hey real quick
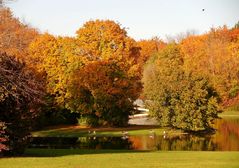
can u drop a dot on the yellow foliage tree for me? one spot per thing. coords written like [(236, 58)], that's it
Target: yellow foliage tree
[(57, 58), (106, 40)]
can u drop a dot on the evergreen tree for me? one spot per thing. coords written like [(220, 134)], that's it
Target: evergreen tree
[(178, 98)]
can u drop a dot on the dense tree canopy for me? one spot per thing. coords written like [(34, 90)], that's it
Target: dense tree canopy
[(65, 61), (176, 97), (56, 58), (101, 39), (115, 58), (215, 55), (106, 93)]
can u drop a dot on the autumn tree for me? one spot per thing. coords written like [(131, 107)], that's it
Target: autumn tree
[(56, 58), (106, 93), (176, 97), (107, 42), (101, 39), (104, 40), (64, 61), (14, 35), (20, 95), (215, 55), (148, 48)]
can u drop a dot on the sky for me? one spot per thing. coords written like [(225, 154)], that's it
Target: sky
[(143, 19)]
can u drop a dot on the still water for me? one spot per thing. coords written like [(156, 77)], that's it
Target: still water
[(226, 138)]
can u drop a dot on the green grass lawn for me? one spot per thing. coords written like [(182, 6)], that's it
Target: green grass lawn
[(67, 158), (77, 131)]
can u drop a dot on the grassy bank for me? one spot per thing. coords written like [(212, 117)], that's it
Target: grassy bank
[(110, 158), (77, 131)]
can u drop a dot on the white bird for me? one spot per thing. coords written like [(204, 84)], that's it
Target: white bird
[(124, 137)]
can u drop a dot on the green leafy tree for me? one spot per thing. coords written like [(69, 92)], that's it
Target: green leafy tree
[(178, 98)]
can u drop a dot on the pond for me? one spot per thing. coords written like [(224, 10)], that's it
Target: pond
[(226, 138)]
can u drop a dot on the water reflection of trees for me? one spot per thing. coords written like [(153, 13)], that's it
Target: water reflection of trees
[(52, 142), (81, 142), (105, 143), (183, 142), (226, 138), (227, 135), (186, 142)]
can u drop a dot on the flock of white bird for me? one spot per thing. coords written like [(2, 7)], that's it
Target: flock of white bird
[(152, 134)]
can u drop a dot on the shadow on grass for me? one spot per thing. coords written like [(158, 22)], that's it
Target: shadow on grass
[(65, 152)]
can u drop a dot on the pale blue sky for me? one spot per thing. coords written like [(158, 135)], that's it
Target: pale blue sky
[(143, 18)]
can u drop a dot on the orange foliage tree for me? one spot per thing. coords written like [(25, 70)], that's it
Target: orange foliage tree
[(148, 48), (106, 93), (14, 35), (104, 43), (215, 55), (63, 61)]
